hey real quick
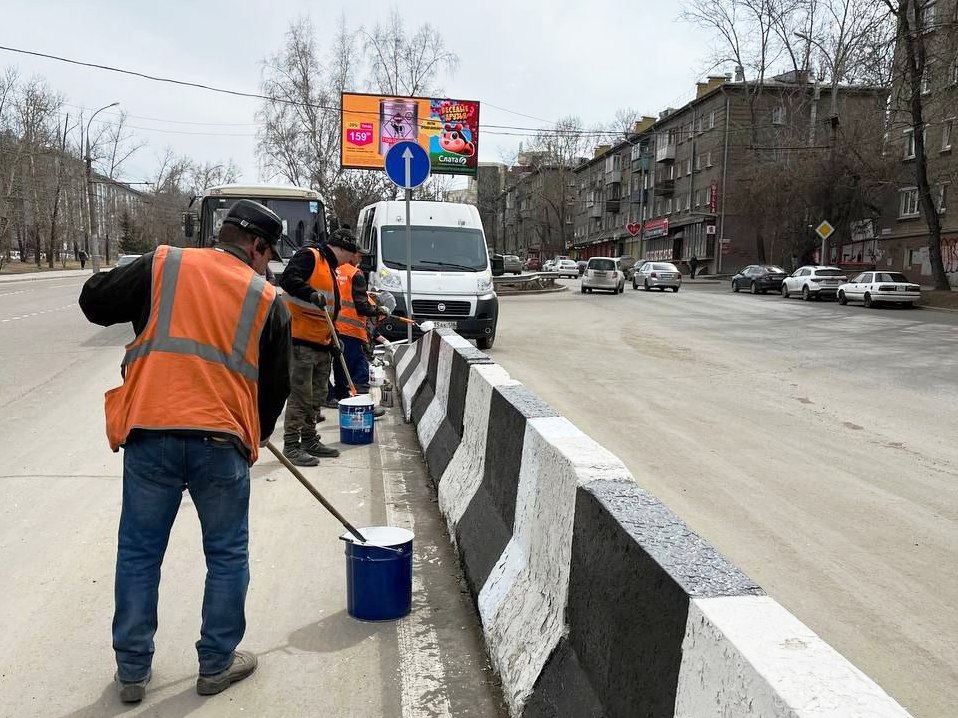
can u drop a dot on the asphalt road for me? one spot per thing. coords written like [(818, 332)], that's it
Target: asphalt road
[(59, 507), (811, 443)]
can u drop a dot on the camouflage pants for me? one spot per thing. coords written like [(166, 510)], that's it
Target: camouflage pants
[(309, 380)]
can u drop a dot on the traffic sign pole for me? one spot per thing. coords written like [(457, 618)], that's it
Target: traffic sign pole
[(407, 166)]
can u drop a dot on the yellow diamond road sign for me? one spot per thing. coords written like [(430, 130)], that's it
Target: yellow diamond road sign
[(825, 230)]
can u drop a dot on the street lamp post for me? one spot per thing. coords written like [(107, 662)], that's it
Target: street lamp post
[(91, 204)]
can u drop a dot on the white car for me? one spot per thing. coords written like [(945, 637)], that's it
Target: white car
[(567, 268), (549, 266), (602, 273), (813, 282), (873, 288)]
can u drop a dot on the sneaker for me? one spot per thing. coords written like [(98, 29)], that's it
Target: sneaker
[(315, 447), (133, 691), (244, 663), (378, 412), (298, 456)]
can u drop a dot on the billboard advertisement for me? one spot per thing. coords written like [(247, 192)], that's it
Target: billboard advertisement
[(447, 129)]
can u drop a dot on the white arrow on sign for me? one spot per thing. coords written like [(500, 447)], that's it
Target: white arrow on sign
[(407, 156)]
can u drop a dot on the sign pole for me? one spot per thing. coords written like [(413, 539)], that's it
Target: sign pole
[(408, 260)]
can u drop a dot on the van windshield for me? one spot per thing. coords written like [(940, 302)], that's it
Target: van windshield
[(435, 249)]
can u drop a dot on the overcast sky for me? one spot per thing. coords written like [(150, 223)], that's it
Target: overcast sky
[(536, 57)]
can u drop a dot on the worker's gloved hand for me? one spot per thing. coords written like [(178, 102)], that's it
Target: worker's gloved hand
[(382, 311), (318, 299), (334, 350)]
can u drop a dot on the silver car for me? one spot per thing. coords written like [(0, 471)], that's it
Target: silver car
[(511, 264), (603, 273), (661, 275)]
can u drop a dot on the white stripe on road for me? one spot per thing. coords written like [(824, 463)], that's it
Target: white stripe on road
[(422, 676), (37, 314)]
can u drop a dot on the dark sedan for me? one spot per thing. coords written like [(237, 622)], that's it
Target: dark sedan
[(759, 278)]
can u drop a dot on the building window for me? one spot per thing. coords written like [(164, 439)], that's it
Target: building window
[(645, 212), (698, 162), (909, 202), (927, 21), (671, 173), (688, 166), (947, 129), (701, 125), (942, 197), (698, 198), (909, 144), (708, 158), (778, 115), (688, 200), (668, 205), (954, 65), (690, 130)]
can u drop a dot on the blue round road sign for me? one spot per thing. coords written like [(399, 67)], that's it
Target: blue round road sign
[(407, 165)]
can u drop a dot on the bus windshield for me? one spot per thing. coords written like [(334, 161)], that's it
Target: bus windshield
[(435, 249), (303, 220)]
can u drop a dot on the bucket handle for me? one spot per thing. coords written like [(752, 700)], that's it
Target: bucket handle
[(384, 548)]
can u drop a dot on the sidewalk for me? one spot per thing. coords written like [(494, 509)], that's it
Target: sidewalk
[(46, 274)]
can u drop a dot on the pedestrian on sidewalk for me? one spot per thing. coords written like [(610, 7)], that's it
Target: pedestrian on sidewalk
[(351, 322), (693, 265), (309, 281), (81, 255), (204, 382)]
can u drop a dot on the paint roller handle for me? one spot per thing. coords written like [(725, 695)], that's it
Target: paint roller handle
[(312, 489), (339, 350)]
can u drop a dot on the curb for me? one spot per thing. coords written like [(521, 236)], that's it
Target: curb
[(595, 598), (937, 309), (38, 276), (522, 292)]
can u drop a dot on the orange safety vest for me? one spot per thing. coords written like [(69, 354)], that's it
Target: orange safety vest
[(349, 323), (309, 322), (195, 365)]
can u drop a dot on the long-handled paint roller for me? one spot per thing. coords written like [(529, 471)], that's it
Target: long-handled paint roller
[(339, 350), (426, 326)]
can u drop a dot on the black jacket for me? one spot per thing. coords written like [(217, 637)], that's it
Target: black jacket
[(124, 295), (295, 281)]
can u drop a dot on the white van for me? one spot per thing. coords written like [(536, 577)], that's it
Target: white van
[(451, 271)]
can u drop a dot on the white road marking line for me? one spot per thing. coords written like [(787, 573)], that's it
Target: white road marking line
[(36, 314), (422, 676)]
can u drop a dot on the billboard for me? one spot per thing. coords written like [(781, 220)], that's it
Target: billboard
[(447, 129)]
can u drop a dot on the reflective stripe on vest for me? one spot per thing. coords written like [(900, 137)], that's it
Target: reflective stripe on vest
[(162, 341), (349, 323), (308, 321)]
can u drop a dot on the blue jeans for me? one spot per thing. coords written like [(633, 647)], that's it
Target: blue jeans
[(157, 467), (358, 364)]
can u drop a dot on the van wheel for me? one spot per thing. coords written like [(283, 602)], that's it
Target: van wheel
[(486, 342)]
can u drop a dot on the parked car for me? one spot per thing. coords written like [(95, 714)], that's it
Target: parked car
[(533, 265), (813, 282), (511, 264), (759, 278), (567, 268), (602, 273), (660, 275), (625, 264), (549, 266), (125, 259), (873, 288), (630, 272), (582, 264)]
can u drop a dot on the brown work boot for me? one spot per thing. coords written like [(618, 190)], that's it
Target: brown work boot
[(298, 456), (132, 691), (315, 447), (244, 663)]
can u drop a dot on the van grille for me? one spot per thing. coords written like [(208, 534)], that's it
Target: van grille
[(430, 307)]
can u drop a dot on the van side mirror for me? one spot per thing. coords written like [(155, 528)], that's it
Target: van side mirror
[(498, 265), (189, 224), (367, 263)]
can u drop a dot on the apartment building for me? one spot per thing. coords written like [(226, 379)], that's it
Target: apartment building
[(535, 211)]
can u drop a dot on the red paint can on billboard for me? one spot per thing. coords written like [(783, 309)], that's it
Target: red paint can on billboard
[(398, 122)]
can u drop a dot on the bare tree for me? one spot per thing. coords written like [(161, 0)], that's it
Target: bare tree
[(210, 174), (403, 64)]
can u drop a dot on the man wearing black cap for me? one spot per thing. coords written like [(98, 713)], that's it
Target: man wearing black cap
[(204, 382), (309, 281)]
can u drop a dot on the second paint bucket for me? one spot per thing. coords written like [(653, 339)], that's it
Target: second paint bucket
[(379, 574), (356, 419)]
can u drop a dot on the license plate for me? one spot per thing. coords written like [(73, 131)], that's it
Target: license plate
[(445, 325)]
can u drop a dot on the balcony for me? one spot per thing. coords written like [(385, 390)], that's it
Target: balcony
[(641, 164), (664, 187), (637, 195), (595, 211), (665, 154), (613, 177), (612, 205)]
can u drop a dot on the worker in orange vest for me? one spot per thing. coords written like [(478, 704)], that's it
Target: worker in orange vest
[(204, 382), (356, 308), (310, 286)]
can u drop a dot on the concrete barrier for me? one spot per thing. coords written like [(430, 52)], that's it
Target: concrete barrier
[(596, 599)]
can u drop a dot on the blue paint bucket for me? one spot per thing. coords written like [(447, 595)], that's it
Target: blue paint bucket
[(356, 419), (379, 573)]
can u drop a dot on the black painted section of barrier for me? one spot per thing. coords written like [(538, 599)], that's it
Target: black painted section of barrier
[(486, 526), (563, 690), (449, 434), (416, 348), (427, 390), (635, 566)]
